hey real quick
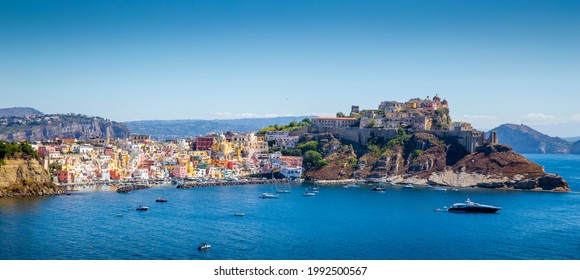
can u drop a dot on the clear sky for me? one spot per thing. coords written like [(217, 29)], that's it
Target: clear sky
[(495, 61)]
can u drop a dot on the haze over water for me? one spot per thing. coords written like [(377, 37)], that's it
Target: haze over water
[(336, 224)]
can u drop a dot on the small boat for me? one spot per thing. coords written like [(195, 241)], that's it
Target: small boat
[(161, 200), (471, 207), (378, 189), (455, 190), (408, 186), (352, 186), (440, 190), (203, 247), (119, 215), (239, 214), (269, 195), (309, 194), (142, 208)]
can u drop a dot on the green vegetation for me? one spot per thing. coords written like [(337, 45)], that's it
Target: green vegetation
[(289, 127), (16, 150), (308, 146), (416, 153), (401, 139), (340, 115), (352, 162), (292, 152), (313, 160), (371, 123)]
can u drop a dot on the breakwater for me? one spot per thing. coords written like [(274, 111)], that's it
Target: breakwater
[(231, 183), (128, 189)]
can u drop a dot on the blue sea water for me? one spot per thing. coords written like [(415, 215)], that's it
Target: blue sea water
[(338, 223)]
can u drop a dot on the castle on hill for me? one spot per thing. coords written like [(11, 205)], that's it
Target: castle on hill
[(430, 115)]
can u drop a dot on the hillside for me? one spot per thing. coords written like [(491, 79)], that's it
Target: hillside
[(21, 174), (524, 139), (49, 127), (174, 129), (575, 148), (19, 112), (423, 158)]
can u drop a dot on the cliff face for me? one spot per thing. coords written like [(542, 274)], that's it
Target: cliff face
[(426, 159), (525, 139), (25, 178), (48, 127)]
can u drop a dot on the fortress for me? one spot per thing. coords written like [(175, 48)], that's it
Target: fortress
[(416, 115)]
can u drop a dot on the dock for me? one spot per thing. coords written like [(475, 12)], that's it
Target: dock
[(194, 185)]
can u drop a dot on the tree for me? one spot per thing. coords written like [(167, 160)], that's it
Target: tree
[(312, 159), (340, 115), (308, 146)]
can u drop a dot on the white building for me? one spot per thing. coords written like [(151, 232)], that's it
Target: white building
[(291, 172), (333, 122), (274, 135)]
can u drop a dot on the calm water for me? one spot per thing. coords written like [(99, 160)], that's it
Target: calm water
[(337, 224)]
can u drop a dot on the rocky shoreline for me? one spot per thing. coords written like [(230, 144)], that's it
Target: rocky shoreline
[(549, 182)]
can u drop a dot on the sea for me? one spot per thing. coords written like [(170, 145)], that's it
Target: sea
[(336, 224)]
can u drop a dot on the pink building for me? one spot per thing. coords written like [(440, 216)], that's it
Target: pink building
[(291, 162), (180, 171), (431, 106), (45, 150), (64, 176)]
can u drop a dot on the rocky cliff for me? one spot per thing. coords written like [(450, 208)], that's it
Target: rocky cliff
[(425, 159), (49, 127), (20, 177), (525, 139)]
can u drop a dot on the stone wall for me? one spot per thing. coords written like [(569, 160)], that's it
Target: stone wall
[(354, 134)]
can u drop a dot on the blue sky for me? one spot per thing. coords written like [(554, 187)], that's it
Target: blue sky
[(495, 61)]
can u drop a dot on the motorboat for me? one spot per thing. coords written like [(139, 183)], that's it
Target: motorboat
[(472, 207), (309, 193), (378, 189), (408, 186), (269, 195), (203, 247), (142, 208), (239, 214), (161, 200), (440, 190), (352, 186)]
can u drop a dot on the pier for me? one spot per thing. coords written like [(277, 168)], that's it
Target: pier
[(231, 183)]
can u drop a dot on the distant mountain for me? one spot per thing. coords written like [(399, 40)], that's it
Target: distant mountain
[(175, 129), (19, 112), (525, 139), (572, 139), (49, 127)]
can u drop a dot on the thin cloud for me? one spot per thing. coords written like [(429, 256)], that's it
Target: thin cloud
[(480, 117), (539, 117), (229, 115)]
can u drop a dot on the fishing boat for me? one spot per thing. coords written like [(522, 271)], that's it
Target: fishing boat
[(378, 189), (309, 193), (203, 247), (269, 195)]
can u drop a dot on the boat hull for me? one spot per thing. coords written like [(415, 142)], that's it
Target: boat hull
[(474, 209)]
